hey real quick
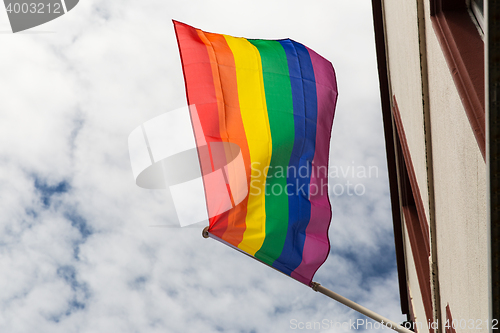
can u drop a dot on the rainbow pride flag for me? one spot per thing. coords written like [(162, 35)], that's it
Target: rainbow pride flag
[(274, 100)]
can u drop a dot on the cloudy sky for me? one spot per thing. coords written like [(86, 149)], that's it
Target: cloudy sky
[(83, 249)]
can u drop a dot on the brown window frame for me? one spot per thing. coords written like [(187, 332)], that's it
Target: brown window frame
[(449, 324), (463, 49), (413, 211)]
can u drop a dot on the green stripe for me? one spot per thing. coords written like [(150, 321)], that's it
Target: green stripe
[(279, 102)]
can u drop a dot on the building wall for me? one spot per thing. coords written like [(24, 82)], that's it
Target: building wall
[(460, 193), (405, 81), (459, 171)]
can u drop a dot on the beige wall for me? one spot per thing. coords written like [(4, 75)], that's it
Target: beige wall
[(458, 167), (460, 194), (405, 81)]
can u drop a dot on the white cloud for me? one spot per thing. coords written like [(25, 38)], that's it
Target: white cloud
[(88, 260)]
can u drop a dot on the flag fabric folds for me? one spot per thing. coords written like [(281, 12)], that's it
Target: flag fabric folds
[(275, 101)]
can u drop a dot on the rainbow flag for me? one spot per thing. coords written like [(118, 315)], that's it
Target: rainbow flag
[(274, 100)]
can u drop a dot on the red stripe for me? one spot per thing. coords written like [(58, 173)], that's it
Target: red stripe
[(200, 91)]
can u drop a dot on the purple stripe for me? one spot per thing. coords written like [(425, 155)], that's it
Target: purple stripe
[(317, 244)]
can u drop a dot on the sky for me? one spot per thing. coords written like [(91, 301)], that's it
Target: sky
[(83, 249)]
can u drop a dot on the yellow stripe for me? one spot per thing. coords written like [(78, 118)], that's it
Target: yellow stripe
[(253, 110)]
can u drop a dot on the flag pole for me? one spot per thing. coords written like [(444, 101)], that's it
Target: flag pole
[(359, 308), (319, 288)]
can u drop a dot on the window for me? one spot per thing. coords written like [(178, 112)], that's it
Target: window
[(414, 213), (463, 49)]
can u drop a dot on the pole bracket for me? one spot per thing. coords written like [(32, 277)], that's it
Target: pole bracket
[(315, 286)]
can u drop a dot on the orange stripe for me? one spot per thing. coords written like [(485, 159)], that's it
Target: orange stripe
[(230, 124), (234, 127)]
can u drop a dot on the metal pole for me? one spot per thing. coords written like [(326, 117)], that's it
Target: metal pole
[(361, 309), (319, 288)]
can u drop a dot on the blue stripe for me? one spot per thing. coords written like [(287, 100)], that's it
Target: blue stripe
[(305, 110)]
